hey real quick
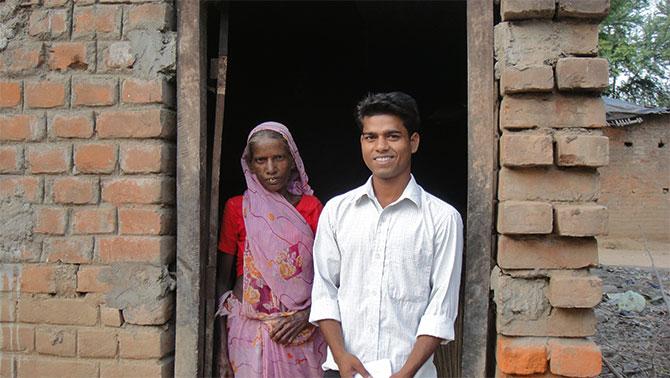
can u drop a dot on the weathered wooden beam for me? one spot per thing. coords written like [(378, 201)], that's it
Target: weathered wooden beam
[(191, 188), (482, 167), (210, 279)]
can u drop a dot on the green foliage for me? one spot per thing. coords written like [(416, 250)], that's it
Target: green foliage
[(635, 38)]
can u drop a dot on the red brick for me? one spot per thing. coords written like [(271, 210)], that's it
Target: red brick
[(22, 58), (50, 220), (47, 158), (91, 279), (526, 150), (146, 221), (103, 21), (111, 317), (567, 290), (154, 250), (98, 220), (535, 43), (158, 190), (48, 24), (11, 159), (560, 322), (10, 94), (150, 17), (66, 311), (46, 94), (93, 92), (16, 338), (56, 341), (7, 366), (145, 157), (582, 74), (582, 150), (35, 366), (522, 355), (575, 358), (558, 111), (138, 91), (71, 250), (526, 80), (546, 252), (539, 184), (594, 9), (526, 9), (145, 342), (77, 125), (97, 343), (581, 220), (8, 307), (150, 123), (122, 368), (38, 278), (21, 127), (524, 217), (70, 55), (95, 158), (28, 188), (75, 190), (116, 56)]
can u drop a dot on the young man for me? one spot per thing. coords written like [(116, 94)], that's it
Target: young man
[(387, 255)]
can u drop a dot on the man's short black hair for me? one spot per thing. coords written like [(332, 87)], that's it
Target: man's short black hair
[(398, 104)]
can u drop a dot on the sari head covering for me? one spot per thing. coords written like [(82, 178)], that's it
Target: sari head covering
[(278, 253)]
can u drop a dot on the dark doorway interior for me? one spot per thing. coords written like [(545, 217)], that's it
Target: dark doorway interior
[(306, 64)]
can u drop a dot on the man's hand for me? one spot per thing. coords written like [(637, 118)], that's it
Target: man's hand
[(290, 326), (423, 349), (348, 365)]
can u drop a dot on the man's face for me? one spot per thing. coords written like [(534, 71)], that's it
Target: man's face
[(386, 146)]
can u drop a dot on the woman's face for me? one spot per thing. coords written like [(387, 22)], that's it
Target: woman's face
[(272, 163)]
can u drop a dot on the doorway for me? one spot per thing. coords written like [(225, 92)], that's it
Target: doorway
[(307, 64)]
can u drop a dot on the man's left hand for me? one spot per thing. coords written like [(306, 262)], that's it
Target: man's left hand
[(290, 326)]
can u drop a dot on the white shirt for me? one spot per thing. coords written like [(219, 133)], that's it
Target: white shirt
[(387, 275)]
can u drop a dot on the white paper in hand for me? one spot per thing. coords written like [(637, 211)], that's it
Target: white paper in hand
[(377, 369)]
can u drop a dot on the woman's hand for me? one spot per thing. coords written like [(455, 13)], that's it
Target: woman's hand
[(290, 326), (225, 370)]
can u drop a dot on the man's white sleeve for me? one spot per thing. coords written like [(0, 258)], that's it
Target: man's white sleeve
[(445, 278), (326, 256)]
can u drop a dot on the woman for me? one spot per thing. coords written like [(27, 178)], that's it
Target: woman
[(271, 231)]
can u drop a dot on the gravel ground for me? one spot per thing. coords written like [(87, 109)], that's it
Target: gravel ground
[(635, 344)]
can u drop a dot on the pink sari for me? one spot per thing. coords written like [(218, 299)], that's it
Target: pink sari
[(277, 280)]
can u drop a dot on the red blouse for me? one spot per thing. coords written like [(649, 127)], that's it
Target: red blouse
[(233, 233)]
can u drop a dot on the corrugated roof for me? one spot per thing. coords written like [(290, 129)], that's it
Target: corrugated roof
[(622, 113)]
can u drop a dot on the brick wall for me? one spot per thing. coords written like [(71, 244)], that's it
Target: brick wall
[(636, 185), (87, 188), (551, 145)]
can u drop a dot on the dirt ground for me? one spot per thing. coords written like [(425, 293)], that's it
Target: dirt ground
[(634, 344)]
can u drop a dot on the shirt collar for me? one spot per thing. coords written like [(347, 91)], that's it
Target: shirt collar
[(412, 192)]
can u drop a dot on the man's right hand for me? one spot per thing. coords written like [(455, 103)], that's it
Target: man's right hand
[(348, 364)]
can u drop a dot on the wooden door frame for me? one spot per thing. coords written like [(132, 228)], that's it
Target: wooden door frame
[(193, 198)]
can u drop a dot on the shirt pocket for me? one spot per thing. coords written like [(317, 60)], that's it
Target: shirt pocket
[(408, 273)]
